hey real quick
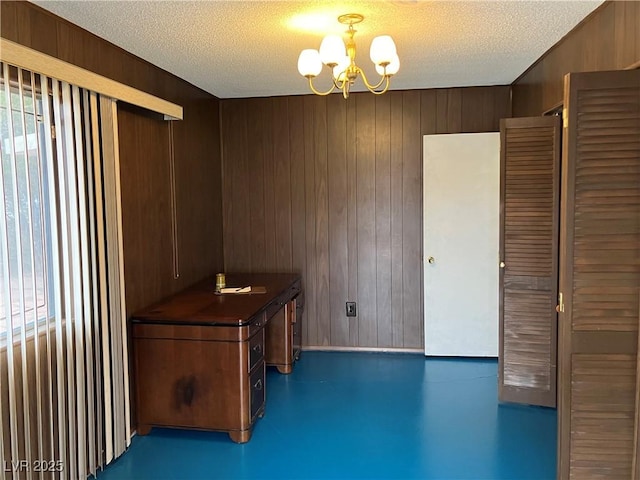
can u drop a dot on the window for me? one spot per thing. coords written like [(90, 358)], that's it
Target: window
[(24, 233), (64, 394)]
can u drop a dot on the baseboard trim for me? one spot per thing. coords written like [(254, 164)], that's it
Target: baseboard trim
[(321, 348), (462, 357)]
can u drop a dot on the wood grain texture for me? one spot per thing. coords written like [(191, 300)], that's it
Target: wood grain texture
[(282, 182), (413, 336), (599, 275), (397, 208), (237, 234), (196, 150), (321, 142), (268, 198), (145, 157), (199, 205), (352, 218), (297, 186), (383, 218), (311, 332), (366, 197), (338, 222), (354, 199), (529, 227), (608, 39), (255, 192)]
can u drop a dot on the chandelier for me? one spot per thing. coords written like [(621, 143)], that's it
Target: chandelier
[(341, 60)]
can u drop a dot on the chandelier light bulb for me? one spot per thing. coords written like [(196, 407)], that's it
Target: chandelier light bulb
[(392, 68), (332, 50), (382, 50), (309, 63)]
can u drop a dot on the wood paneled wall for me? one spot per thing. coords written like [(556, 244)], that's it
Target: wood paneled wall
[(144, 157), (332, 188), (609, 39)]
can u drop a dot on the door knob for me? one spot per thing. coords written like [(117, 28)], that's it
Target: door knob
[(431, 260), (502, 265)]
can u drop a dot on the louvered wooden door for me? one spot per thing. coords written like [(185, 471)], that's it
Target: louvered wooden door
[(599, 276), (529, 192)]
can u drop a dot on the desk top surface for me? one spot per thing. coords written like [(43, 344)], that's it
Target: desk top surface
[(200, 305)]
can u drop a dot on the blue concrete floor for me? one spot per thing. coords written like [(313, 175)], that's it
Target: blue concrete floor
[(365, 416)]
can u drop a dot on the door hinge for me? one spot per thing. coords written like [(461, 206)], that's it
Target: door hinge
[(53, 132), (560, 303)]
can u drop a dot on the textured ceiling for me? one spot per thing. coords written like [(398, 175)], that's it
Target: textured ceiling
[(247, 49)]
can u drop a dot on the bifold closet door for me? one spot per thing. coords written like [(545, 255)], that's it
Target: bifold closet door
[(599, 276), (529, 217)]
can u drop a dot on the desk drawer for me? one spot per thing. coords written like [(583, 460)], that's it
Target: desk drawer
[(257, 323), (284, 298), (257, 390), (273, 308), (256, 349)]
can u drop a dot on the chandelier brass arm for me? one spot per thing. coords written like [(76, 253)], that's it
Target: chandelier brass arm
[(345, 84), (374, 88), (317, 92)]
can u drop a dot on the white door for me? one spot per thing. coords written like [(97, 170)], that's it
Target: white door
[(461, 234)]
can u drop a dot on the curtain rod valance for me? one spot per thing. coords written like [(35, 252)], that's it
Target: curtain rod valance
[(27, 58)]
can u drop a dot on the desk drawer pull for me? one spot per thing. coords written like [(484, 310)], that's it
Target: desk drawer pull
[(256, 349), (258, 385)]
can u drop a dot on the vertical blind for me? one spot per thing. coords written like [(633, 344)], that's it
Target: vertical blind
[(64, 392)]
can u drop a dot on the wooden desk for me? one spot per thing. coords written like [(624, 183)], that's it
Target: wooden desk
[(199, 358)]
